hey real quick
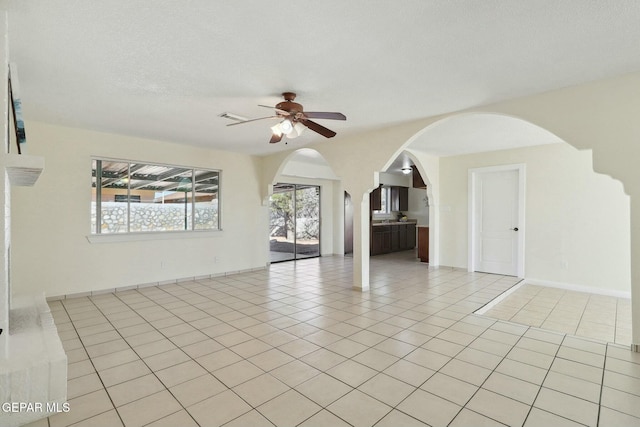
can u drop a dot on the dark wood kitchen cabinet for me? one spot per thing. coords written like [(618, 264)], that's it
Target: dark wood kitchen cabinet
[(418, 182), (380, 240), (423, 244), (375, 199), (392, 238), (399, 199)]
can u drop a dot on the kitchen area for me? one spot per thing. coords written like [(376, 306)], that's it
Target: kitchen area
[(399, 214)]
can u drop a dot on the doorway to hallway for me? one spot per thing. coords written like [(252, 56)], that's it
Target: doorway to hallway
[(294, 222)]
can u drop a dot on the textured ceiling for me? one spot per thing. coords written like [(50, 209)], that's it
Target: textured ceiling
[(165, 70)]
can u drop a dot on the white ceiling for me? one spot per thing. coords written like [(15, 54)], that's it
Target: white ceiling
[(165, 70)]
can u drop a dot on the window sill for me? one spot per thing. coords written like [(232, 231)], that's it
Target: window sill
[(162, 235)]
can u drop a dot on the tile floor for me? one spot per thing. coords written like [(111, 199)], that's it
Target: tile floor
[(587, 315), (296, 346)]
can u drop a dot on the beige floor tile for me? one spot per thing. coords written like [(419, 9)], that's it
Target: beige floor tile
[(573, 386), (511, 387), (114, 359), (567, 406), (538, 417), (351, 373), (429, 408), (611, 418), (427, 358), (622, 382), (298, 348), (375, 359), (154, 347), (449, 388), (367, 338), (396, 418), (250, 419), (468, 418), (79, 369), (466, 372), (122, 373), (620, 401), (624, 367), (323, 389), (480, 358), (148, 409), (294, 373), (260, 389), (290, 408), (250, 348), (577, 370), (105, 419), (197, 389), (498, 407), (530, 357), (487, 346), (219, 409), (271, 359), (180, 418), (409, 372), (539, 346), (323, 359), (233, 338), (106, 348), (219, 359), (164, 360), (387, 389), (346, 347), (85, 384), (323, 418), (358, 408), (135, 389), (180, 373), (202, 348), (82, 408), (581, 356), (144, 338)]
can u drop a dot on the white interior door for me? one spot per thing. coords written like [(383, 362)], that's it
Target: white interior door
[(497, 221)]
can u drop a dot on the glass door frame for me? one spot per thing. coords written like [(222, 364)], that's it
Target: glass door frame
[(294, 189)]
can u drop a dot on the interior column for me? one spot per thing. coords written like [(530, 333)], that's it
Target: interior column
[(635, 271), (361, 241)]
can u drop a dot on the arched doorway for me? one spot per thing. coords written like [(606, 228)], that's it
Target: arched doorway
[(301, 208)]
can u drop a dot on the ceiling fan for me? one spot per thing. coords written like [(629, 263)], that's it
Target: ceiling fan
[(293, 119)]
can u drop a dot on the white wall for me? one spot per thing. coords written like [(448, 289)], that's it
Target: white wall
[(577, 221), (50, 250)]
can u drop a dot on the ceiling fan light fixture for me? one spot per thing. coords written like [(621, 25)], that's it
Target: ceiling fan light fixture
[(276, 130), (297, 130), (286, 127)]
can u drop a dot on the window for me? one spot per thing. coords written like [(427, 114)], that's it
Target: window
[(385, 204), (131, 197)]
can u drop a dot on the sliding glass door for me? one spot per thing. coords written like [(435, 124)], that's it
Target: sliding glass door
[(294, 222)]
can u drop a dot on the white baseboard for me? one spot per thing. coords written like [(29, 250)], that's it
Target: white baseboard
[(578, 288)]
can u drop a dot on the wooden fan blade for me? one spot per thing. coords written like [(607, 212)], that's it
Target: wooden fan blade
[(328, 133), (253, 120), (275, 138), (283, 112), (325, 115)]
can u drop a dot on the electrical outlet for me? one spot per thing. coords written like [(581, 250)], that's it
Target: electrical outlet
[(564, 265), (215, 259)]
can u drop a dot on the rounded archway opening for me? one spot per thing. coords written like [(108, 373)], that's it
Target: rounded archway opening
[(305, 215)]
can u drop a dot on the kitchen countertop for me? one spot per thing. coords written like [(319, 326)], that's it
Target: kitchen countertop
[(377, 224)]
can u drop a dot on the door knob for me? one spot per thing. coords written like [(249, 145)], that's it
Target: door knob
[(515, 229)]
